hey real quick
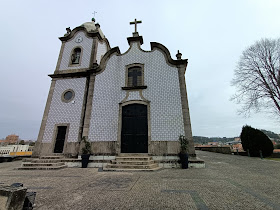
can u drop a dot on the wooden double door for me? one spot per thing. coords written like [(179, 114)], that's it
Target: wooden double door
[(134, 133)]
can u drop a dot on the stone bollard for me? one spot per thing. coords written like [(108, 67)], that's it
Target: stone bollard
[(12, 198)]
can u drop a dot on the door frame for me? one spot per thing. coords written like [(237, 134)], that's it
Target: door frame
[(55, 135), (121, 105)]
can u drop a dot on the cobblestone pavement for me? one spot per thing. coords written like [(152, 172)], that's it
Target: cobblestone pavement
[(227, 182)]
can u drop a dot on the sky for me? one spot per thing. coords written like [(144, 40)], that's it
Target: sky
[(211, 34)]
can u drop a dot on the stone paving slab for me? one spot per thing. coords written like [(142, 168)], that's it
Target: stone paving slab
[(227, 182)]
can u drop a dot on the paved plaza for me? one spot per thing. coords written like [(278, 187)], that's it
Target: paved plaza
[(227, 182)]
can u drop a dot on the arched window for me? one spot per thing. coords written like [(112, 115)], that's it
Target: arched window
[(76, 56)]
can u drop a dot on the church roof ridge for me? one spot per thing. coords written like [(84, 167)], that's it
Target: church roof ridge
[(162, 48), (154, 45), (91, 28)]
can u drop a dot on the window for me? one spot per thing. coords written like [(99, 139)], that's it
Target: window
[(134, 76), (67, 95), (76, 56)]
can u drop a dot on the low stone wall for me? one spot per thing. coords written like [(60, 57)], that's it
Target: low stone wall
[(6, 159), (168, 161), (241, 153), (72, 149), (275, 155), (224, 150)]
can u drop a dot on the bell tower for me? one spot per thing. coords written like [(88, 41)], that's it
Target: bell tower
[(71, 90), (81, 48)]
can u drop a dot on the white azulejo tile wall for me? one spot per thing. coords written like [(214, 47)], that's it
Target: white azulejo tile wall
[(134, 95), (105, 104), (61, 112), (101, 50), (163, 92), (86, 46)]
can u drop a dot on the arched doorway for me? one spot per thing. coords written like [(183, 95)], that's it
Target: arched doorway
[(134, 133)]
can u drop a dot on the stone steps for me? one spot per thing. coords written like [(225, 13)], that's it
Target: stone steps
[(150, 166), (42, 167), (133, 155), (129, 162), (28, 159), (52, 157), (135, 158), (42, 164), (133, 162), (52, 162), (131, 169), (47, 161)]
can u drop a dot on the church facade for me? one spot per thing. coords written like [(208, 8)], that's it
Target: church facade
[(131, 102)]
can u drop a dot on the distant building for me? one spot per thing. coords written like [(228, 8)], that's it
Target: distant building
[(213, 143), (10, 139), (16, 150), (29, 142), (237, 146), (276, 151), (237, 139)]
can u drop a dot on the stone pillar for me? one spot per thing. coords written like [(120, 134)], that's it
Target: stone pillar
[(38, 144), (88, 106), (60, 57), (185, 109)]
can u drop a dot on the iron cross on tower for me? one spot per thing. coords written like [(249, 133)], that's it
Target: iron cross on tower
[(135, 22), (93, 19)]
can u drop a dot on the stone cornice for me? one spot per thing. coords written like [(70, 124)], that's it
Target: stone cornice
[(94, 33), (99, 68), (71, 75), (135, 39), (165, 51), (134, 88)]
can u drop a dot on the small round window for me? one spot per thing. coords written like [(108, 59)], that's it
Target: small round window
[(67, 95)]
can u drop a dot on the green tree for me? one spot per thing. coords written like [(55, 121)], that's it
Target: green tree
[(32, 143), (255, 141)]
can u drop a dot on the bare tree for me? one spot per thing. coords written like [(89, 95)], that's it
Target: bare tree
[(257, 77)]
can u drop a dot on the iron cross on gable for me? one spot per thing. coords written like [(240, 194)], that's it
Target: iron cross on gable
[(135, 22)]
